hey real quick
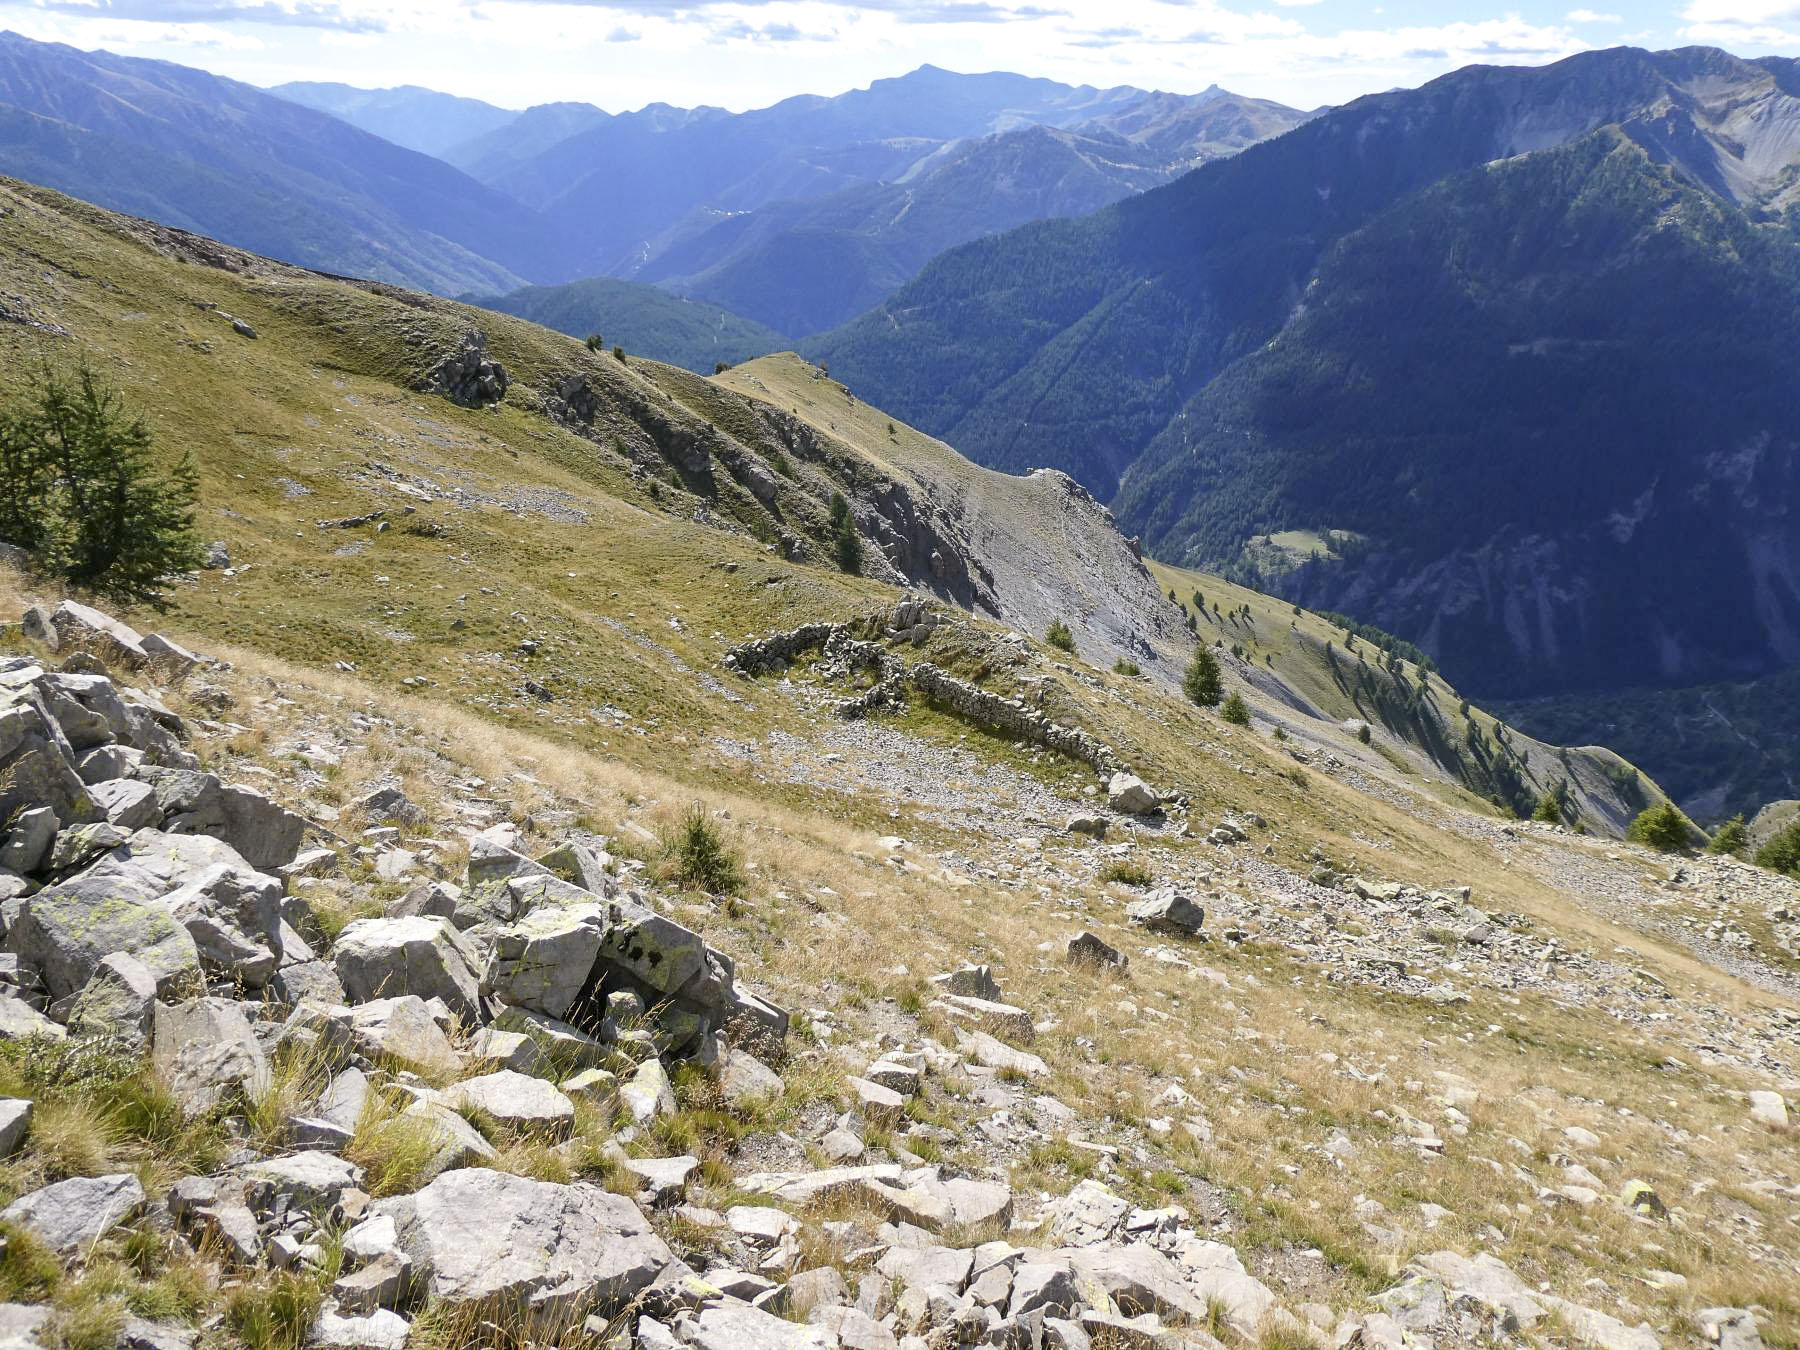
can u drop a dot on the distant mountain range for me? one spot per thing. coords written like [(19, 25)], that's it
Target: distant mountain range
[(419, 119), (806, 265), (187, 148), (799, 215), (1503, 364)]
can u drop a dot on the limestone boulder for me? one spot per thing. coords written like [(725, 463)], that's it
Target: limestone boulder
[(66, 930), (69, 1216), (378, 958), (1168, 911), (546, 959), (515, 1101), (1131, 795), (403, 1031), (558, 1252), (205, 1050)]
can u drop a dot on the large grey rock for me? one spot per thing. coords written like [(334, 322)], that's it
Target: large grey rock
[(78, 845), (314, 980), (402, 1030), (743, 1078), (1137, 1278), (37, 762), (515, 1101), (648, 1094), (70, 1215), (543, 961), (65, 930), (19, 1020), (1489, 1284), (1769, 1108), (1168, 911), (802, 1189), (926, 1199), (119, 1001), (20, 1324), (27, 845), (313, 1181), (1216, 1273), (81, 626), (15, 1120), (377, 958), (1087, 949), (661, 954), (266, 834), (205, 1050), (1131, 795), (382, 1329), (87, 708), (739, 1326), (491, 865), (970, 981), (1090, 1214), (556, 1251), (560, 1045), (126, 803), (233, 915)]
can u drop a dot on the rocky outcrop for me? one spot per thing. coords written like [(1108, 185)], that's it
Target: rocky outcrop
[(843, 647), (468, 376)]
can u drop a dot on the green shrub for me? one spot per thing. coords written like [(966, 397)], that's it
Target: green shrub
[(619, 355), (1782, 853), (1663, 828), (1730, 838), (596, 343), (1059, 636), (1124, 667), (81, 493), (699, 856), (1202, 683), (1549, 810), (1365, 733), (1236, 711), (1128, 874)]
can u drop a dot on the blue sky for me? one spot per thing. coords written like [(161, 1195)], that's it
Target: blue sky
[(747, 53)]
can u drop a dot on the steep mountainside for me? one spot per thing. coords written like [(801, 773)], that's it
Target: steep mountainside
[(191, 149), (1519, 335), (645, 320), (802, 266), (550, 861), (755, 456), (419, 119)]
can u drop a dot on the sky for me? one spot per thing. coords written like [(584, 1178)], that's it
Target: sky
[(738, 54)]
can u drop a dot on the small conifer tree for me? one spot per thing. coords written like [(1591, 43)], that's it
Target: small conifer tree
[(81, 491), (1202, 683)]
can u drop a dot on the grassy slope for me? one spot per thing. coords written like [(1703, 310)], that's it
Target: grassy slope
[(1286, 654), (635, 605)]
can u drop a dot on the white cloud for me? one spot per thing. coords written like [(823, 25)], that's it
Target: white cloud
[(749, 53), (1741, 13), (1591, 16)]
